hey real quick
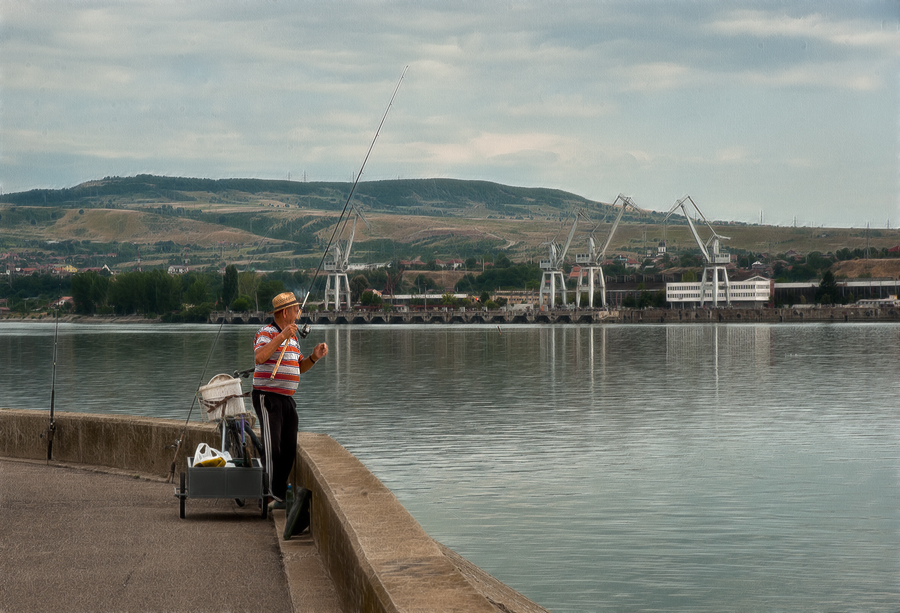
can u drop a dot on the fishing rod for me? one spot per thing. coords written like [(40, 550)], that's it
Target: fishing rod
[(52, 428), (304, 331), (177, 444)]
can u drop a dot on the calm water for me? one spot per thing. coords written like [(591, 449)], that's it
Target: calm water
[(629, 468)]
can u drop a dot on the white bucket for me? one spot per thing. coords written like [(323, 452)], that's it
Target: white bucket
[(219, 387)]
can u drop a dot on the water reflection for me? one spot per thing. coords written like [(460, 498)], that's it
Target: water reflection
[(698, 467)]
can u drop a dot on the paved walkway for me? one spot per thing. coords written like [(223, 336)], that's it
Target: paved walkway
[(72, 539)]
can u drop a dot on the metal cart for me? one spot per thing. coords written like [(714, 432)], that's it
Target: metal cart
[(224, 401), (230, 482)]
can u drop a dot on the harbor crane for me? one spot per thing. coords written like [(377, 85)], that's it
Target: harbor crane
[(714, 259), (553, 272), (337, 286), (591, 261)]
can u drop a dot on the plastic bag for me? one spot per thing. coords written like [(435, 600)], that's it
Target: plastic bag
[(208, 457)]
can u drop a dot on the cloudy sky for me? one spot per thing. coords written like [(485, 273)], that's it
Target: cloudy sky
[(780, 110)]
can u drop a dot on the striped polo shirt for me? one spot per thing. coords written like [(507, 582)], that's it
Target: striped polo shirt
[(288, 376)]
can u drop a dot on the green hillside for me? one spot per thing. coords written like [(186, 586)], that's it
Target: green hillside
[(155, 221), (412, 196)]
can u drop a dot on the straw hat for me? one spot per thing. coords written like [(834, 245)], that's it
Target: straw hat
[(283, 301)]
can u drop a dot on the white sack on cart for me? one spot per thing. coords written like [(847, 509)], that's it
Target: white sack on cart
[(209, 457)]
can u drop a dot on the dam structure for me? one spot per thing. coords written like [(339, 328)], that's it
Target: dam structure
[(794, 314)]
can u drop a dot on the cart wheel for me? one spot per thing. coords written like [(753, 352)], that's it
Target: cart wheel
[(183, 494)]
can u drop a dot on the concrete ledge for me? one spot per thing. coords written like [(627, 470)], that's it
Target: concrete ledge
[(140, 444), (378, 557)]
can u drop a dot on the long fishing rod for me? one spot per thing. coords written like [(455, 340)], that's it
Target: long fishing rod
[(340, 218), (52, 428), (177, 444)]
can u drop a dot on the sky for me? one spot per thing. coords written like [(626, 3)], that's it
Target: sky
[(779, 111)]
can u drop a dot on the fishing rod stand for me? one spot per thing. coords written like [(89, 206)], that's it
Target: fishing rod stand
[(51, 430)]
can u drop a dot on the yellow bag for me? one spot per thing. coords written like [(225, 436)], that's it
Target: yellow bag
[(206, 456)]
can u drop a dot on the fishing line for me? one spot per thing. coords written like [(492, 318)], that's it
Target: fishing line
[(177, 443), (352, 190), (304, 330), (52, 428)]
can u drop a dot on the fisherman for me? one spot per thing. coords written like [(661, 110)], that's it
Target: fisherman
[(276, 350)]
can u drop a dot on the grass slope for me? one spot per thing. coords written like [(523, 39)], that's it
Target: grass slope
[(443, 218)]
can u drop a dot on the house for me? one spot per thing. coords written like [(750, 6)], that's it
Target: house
[(99, 270), (178, 269), (62, 302)]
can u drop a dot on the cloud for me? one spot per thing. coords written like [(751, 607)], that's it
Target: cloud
[(656, 76), (653, 98), (863, 33), (560, 105)]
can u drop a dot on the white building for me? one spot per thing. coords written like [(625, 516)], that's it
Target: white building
[(755, 292), (878, 302)]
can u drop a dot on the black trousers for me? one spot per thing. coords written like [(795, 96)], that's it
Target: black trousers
[(278, 419)]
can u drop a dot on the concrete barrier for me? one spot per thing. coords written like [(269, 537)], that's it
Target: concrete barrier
[(139, 444), (379, 558)]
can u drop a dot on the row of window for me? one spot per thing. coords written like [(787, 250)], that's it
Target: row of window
[(690, 292)]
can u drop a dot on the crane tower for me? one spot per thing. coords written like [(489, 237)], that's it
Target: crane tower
[(337, 286), (553, 272), (714, 259), (590, 262)]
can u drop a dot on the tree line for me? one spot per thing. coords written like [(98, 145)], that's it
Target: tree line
[(193, 296), (190, 297)]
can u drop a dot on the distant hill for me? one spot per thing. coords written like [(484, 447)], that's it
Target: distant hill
[(402, 196), (285, 224)]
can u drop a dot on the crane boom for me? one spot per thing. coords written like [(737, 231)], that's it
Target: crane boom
[(562, 254), (345, 256), (713, 256), (341, 248), (595, 256), (557, 254), (626, 202)]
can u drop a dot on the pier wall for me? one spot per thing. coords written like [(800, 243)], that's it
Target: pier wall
[(379, 558)]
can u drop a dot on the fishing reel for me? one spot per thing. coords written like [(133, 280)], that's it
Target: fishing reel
[(303, 331)]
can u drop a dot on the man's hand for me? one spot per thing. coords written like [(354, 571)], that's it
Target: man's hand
[(288, 331), (320, 352)]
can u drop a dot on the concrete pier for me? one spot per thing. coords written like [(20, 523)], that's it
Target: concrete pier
[(364, 552)]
